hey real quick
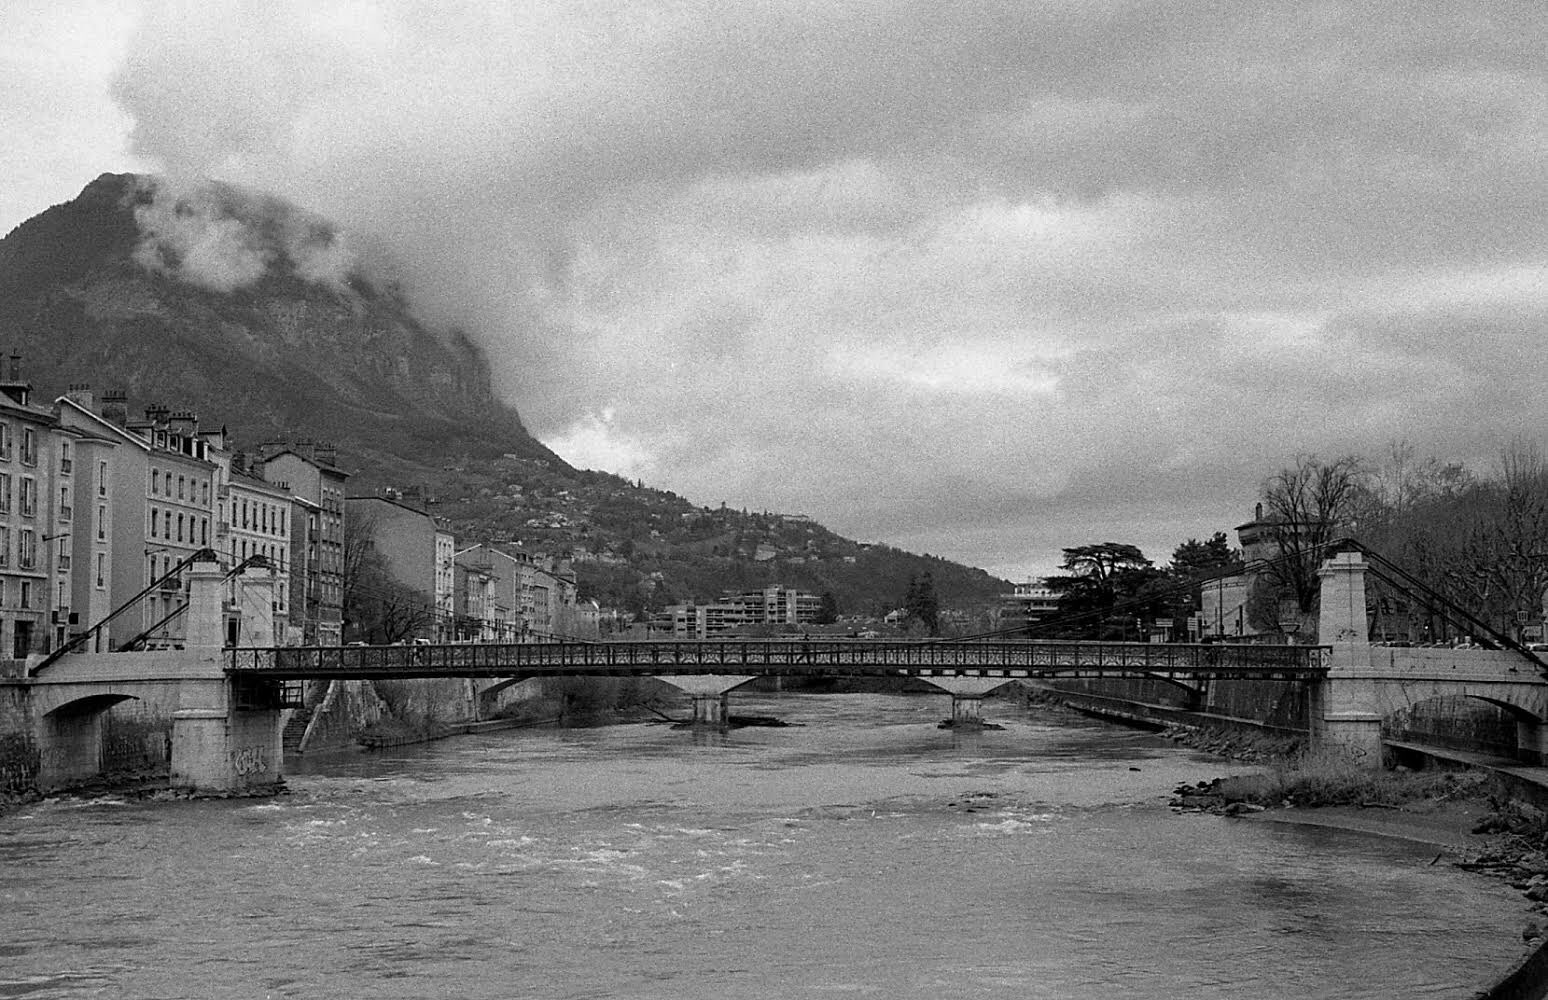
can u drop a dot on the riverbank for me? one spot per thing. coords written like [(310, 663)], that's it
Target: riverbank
[(1465, 815)]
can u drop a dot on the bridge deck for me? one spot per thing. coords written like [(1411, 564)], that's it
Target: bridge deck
[(816, 657)]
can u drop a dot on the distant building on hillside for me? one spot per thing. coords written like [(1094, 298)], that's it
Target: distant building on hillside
[(1028, 604), (773, 605)]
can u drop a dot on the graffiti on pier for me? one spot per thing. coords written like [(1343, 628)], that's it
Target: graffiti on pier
[(250, 760)]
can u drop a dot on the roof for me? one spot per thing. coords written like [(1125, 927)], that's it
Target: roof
[(324, 466), (252, 482), (115, 432), (390, 501)]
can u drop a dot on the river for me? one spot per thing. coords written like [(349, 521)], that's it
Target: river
[(859, 852)]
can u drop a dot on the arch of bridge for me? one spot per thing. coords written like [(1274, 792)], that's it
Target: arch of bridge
[(1406, 676), (1525, 700), (164, 679)]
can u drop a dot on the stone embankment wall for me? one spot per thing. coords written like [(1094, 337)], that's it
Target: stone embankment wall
[(341, 711), (1280, 704), (1281, 708)]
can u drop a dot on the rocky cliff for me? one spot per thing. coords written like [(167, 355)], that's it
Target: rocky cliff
[(250, 312)]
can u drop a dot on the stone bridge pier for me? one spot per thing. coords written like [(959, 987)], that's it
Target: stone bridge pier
[(231, 740), (967, 696), (710, 693)]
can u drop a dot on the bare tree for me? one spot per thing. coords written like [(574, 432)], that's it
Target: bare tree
[(1307, 506), (1497, 563), (377, 608)]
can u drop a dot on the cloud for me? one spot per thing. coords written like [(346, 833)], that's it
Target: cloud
[(988, 278), (223, 238)]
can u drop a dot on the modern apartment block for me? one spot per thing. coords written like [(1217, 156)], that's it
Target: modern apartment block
[(772, 606)]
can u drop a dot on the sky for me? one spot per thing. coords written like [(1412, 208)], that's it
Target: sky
[(984, 280)]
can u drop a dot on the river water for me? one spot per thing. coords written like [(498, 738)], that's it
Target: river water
[(862, 852)]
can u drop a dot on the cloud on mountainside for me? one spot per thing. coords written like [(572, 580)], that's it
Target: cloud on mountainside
[(983, 280)]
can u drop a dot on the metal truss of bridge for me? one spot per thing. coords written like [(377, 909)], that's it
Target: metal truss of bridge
[(810, 657)]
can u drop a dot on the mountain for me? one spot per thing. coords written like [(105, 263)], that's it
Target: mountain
[(258, 315), (121, 290)]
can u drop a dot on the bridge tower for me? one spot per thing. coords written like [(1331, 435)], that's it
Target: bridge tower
[(226, 736), (1344, 707)]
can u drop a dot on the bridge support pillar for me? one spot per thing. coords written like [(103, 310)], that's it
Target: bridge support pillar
[(226, 748), (70, 748), (711, 695), (967, 696), (1349, 720)]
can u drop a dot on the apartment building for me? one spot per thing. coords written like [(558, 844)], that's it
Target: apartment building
[(29, 528), (308, 472), (772, 606), (160, 504), (418, 552)]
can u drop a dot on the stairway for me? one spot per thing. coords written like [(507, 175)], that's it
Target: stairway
[(295, 730)]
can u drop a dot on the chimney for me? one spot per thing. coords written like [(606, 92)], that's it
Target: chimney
[(325, 453), (115, 407), (184, 422), (13, 385), (156, 415), (80, 394)]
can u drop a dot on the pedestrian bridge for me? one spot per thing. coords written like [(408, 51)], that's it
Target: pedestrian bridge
[(708, 670), (803, 657), (225, 705)]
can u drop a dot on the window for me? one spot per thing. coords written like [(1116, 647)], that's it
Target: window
[(101, 521), (29, 496), (63, 558), (101, 479), (5, 493), (155, 520), (66, 512), (5, 546), (7, 437), (27, 549), (65, 465), (101, 570), (204, 494), (155, 481), (26, 594), (204, 531), (179, 527), (180, 482), (29, 449)]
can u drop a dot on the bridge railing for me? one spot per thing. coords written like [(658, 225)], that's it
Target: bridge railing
[(777, 656)]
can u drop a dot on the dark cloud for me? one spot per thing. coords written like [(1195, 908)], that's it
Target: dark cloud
[(984, 278)]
